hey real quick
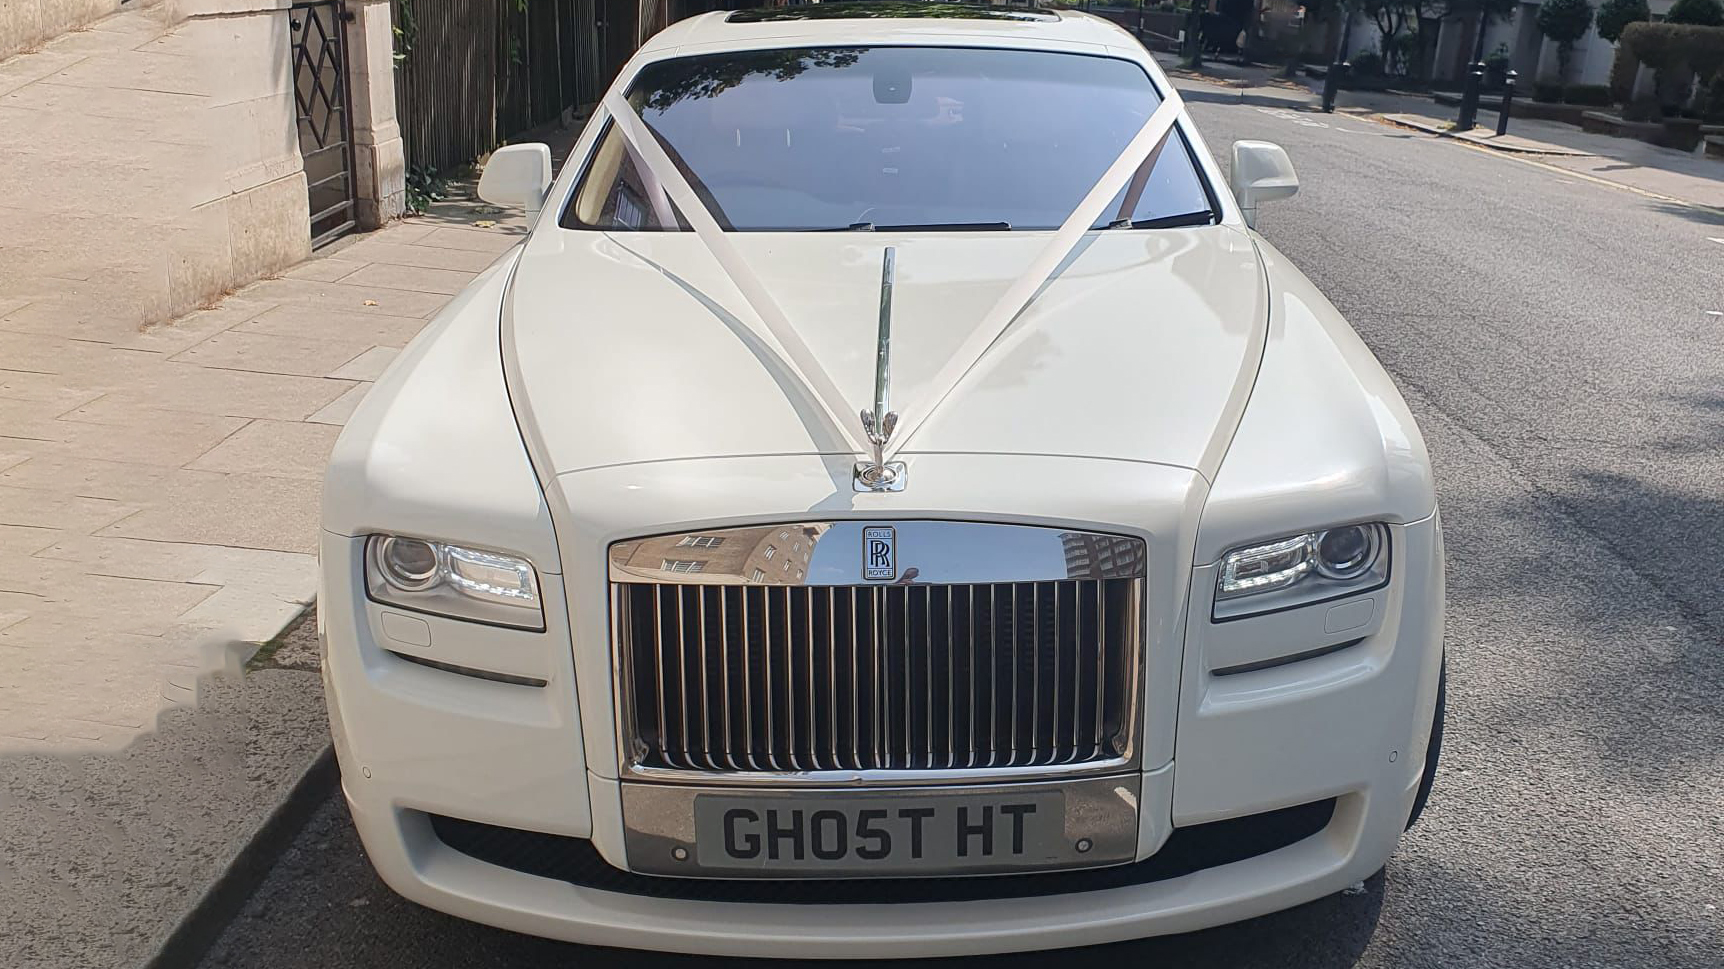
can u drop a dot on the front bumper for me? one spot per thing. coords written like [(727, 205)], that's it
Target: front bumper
[(1350, 725)]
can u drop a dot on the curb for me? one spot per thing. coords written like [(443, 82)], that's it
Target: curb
[(1468, 138), (241, 873), (190, 940), (1291, 102), (1533, 158)]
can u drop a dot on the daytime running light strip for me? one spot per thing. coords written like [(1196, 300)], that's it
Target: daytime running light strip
[(1023, 291), (801, 360)]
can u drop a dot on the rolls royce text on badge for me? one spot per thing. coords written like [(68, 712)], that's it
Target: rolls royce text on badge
[(892, 503), (879, 553)]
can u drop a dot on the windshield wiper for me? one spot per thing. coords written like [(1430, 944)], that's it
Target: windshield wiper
[(1166, 221), (948, 227), (925, 227)]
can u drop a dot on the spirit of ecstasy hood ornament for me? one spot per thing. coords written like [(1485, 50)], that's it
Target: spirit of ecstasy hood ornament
[(880, 474)]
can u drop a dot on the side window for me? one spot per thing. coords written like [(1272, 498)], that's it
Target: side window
[(617, 194)]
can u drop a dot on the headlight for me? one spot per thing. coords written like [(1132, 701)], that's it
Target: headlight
[(453, 580), (1302, 569)]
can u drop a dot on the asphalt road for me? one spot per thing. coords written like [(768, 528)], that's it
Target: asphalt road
[(1551, 335)]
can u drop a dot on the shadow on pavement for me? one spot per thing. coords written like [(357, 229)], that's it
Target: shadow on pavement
[(103, 853), (1701, 215)]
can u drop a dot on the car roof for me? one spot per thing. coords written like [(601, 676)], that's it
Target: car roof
[(921, 23)]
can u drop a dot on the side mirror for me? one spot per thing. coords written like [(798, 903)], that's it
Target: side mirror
[(1262, 172), (517, 176)]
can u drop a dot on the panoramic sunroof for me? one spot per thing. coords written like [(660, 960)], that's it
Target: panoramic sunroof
[(894, 9)]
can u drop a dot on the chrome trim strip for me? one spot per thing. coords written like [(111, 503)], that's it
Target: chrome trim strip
[(509, 678), (1269, 664), (1101, 671), (939, 552)]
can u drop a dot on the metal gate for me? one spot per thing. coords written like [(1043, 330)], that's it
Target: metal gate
[(320, 78)]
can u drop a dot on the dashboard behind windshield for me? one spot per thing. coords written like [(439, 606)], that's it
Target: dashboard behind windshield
[(834, 138)]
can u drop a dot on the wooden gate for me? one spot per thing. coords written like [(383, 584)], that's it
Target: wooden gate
[(469, 73)]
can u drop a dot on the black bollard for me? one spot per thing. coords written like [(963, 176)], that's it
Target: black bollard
[(1470, 98), (1508, 99), (1339, 66)]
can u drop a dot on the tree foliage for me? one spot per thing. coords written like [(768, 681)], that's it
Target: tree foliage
[(686, 78), (1704, 13), (1501, 11), (1613, 15), (1564, 21), (1398, 23)]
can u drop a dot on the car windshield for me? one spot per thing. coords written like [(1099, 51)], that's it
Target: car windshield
[(935, 138)]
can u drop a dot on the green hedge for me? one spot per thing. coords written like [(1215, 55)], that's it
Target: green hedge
[(1708, 13), (1623, 71), (1592, 95), (1677, 53), (1666, 46)]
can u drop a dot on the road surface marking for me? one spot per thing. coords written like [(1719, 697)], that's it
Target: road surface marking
[(1286, 115)]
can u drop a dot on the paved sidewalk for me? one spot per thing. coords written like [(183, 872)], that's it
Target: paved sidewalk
[(1484, 136), (1687, 176), (159, 489)]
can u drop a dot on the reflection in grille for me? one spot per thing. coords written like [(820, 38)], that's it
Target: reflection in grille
[(902, 677)]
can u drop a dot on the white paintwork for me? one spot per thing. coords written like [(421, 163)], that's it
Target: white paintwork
[(517, 176), (1144, 325), (1262, 172), (1187, 386)]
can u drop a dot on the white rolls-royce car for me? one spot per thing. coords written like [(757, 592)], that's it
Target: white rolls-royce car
[(892, 503)]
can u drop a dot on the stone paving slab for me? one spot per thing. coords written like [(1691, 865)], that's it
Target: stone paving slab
[(159, 486)]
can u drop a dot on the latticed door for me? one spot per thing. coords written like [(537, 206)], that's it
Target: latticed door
[(320, 92)]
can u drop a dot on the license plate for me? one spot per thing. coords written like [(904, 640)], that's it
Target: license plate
[(882, 834)]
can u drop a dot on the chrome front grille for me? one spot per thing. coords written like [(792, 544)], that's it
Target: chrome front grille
[(722, 677), (921, 677)]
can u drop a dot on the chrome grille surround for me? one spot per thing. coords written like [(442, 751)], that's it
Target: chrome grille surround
[(1000, 652)]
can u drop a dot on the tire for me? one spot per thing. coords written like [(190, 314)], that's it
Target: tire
[(1434, 749)]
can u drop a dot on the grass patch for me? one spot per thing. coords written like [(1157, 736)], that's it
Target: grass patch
[(264, 658)]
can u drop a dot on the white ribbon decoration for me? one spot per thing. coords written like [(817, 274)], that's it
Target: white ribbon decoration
[(988, 329), (1017, 296), (802, 361)]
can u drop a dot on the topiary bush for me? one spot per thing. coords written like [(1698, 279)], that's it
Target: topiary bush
[(1704, 13), (1565, 21), (1613, 15), (1497, 66), (1676, 53), (1549, 92), (1623, 71), (1368, 63), (1703, 49), (1713, 111)]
